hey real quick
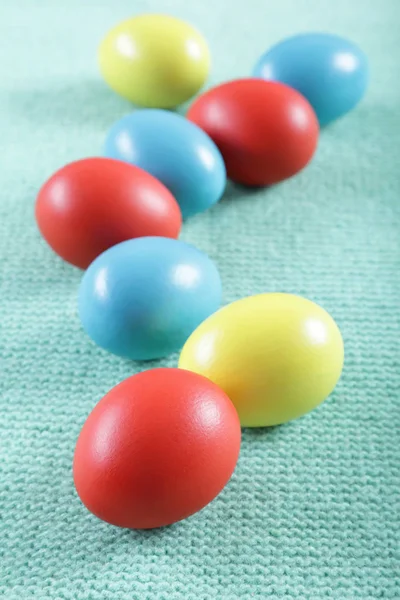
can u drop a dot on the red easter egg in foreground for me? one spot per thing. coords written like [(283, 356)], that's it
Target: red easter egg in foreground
[(92, 204), (156, 449), (266, 131)]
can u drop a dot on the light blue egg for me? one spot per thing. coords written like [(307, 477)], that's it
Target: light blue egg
[(330, 71), (141, 299), (177, 152)]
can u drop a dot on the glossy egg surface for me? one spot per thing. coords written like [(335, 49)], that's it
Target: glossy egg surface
[(154, 60), (265, 131), (94, 203), (329, 70), (277, 356), (175, 151), (156, 449), (143, 298)]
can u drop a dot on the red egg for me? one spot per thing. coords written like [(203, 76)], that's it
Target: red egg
[(156, 449), (266, 131), (92, 204)]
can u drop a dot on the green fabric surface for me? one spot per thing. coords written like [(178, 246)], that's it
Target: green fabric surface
[(312, 511)]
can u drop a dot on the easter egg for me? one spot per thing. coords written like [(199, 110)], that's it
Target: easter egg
[(266, 131), (154, 60), (175, 151), (277, 356), (330, 71), (157, 448), (92, 204), (141, 299)]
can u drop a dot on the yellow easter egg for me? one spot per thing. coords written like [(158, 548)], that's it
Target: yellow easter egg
[(155, 61), (277, 356)]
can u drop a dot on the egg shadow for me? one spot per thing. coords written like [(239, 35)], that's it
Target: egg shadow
[(354, 121), (112, 535), (261, 432), (238, 191), (145, 364), (155, 533), (88, 103)]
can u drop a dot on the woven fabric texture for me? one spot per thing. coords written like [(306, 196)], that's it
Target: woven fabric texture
[(312, 511)]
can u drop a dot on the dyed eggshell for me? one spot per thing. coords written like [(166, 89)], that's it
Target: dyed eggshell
[(330, 71), (266, 131), (92, 204), (154, 61), (143, 298), (173, 150), (277, 356), (157, 448)]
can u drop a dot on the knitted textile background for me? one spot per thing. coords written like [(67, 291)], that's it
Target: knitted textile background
[(312, 511)]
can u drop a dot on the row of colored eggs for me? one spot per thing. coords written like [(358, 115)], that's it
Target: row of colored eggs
[(162, 444), (91, 204), (160, 167), (143, 298), (146, 297), (255, 131), (160, 61)]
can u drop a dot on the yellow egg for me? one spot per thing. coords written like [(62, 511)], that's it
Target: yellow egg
[(155, 61), (277, 356)]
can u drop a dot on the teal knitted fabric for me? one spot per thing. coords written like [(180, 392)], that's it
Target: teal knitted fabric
[(312, 511)]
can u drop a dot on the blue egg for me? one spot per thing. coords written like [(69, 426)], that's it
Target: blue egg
[(142, 299), (330, 71), (177, 152)]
